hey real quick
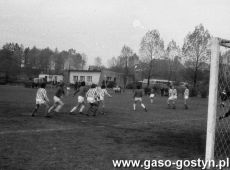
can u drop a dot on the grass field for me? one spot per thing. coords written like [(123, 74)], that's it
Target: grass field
[(91, 143)]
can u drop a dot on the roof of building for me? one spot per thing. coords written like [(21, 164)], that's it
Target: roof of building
[(71, 70)]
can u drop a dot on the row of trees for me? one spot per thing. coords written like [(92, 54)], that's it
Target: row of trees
[(17, 60), (172, 63), (154, 59)]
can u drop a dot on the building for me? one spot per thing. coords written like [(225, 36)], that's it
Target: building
[(90, 77), (51, 78), (94, 77)]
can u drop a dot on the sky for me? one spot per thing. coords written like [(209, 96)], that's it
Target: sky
[(102, 27)]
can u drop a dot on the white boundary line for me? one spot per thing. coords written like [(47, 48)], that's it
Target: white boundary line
[(97, 126)]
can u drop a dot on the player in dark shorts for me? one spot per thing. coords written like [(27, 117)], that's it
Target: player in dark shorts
[(81, 98), (138, 93), (58, 103)]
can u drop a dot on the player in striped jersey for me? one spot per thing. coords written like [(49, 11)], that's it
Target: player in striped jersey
[(93, 98), (172, 96), (186, 96), (41, 99), (102, 92)]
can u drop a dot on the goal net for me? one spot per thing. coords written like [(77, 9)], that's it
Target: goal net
[(218, 123)]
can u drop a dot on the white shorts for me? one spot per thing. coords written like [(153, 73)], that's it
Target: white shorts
[(40, 101), (136, 99), (172, 98), (91, 100), (80, 99), (186, 97), (152, 95), (57, 99)]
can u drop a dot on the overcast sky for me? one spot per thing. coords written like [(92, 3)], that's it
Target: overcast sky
[(102, 27)]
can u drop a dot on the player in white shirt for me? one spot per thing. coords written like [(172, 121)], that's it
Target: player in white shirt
[(172, 97), (41, 99), (186, 96)]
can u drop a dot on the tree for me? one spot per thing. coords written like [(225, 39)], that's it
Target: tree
[(126, 52), (98, 62), (84, 60), (151, 47), (173, 53), (195, 50)]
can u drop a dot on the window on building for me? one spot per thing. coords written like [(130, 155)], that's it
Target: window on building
[(82, 78), (89, 78), (108, 78), (75, 78)]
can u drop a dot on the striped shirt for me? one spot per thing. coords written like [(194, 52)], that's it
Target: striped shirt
[(172, 92), (42, 95), (92, 93), (102, 93)]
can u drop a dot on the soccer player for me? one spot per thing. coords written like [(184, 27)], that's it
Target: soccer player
[(138, 93), (102, 92), (41, 99), (93, 98), (172, 96), (81, 98), (152, 95), (58, 103), (186, 96)]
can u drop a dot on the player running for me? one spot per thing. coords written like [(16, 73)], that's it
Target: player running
[(81, 98), (138, 93), (41, 99), (58, 103), (172, 97), (186, 96)]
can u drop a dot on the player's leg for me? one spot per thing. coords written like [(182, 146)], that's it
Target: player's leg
[(95, 108), (174, 102), (151, 99), (60, 104), (35, 109), (142, 105), (225, 115), (103, 106), (134, 104), (169, 102), (82, 107), (47, 109), (185, 103)]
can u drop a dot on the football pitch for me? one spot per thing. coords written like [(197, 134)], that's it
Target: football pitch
[(91, 143)]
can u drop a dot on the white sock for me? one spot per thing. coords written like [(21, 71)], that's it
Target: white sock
[(134, 106), (142, 105), (74, 108), (82, 108)]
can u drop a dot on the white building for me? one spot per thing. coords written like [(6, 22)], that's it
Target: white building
[(90, 77), (93, 76)]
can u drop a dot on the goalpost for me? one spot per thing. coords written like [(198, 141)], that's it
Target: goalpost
[(218, 131)]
